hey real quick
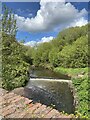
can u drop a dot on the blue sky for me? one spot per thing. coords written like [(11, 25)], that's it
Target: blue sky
[(42, 22)]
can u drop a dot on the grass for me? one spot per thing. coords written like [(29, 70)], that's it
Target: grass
[(71, 71), (81, 85)]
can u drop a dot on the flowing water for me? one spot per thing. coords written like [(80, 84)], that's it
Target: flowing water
[(45, 73), (50, 92)]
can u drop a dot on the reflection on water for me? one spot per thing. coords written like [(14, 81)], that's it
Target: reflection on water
[(45, 73)]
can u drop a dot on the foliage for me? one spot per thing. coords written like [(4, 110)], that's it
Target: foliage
[(70, 71), (68, 49), (8, 22), (28, 52), (68, 36), (41, 54), (75, 55), (81, 85), (14, 68), (53, 57)]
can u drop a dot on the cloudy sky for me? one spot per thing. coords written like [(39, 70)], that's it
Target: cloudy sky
[(42, 21)]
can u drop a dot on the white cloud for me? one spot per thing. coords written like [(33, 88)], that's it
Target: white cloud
[(33, 43), (50, 16), (46, 39), (30, 43), (80, 22)]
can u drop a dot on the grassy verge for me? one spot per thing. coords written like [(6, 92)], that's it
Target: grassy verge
[(73, 72), (80, 81)]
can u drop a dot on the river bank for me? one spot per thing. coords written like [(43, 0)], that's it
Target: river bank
[(79, 77)]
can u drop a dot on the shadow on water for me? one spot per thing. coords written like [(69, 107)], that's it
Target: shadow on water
[(50, 93)]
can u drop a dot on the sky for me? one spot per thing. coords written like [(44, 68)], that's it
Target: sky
[(39, 22)]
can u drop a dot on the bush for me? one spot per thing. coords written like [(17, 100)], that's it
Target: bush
[(14, 69), (75, 55)]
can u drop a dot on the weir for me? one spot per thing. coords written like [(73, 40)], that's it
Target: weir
[(53, 80), (51, 91)]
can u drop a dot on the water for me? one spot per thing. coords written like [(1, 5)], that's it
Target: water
[(45, 73), (53, 93)]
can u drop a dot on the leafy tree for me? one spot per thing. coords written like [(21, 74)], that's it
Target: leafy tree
[(68, 36), (75, 55), (14, 69), (28, 54), (68, 49), (41, 54), (53, 57), (8, 22)]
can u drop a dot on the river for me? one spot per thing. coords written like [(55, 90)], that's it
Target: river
[(46, 73), (50, 92)]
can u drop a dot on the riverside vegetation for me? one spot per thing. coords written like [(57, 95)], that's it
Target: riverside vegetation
[(67, 53), (14, 68)]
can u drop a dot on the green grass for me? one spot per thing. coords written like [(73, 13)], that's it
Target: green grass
[(71, 71), (81, 86)]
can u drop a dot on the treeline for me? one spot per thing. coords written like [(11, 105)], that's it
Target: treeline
[(68, 49), (15, 70)]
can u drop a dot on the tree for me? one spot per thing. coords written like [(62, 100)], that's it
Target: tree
[(68, 49), (8, 22), (28, 54), (75, 55), (14, 69), (53, 57)]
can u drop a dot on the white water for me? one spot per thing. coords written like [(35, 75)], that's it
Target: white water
[(53, 80)]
